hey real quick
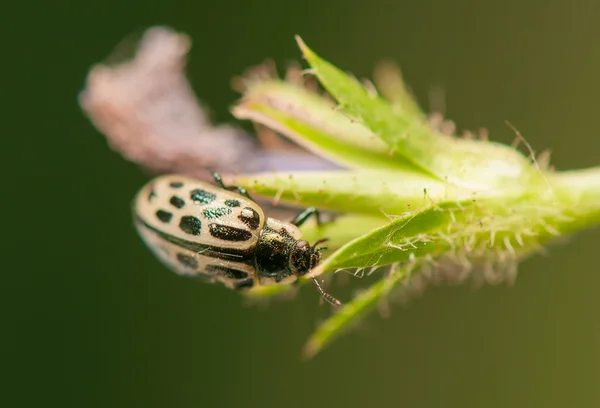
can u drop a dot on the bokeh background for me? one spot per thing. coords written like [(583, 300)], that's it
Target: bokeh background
[(93, 320)]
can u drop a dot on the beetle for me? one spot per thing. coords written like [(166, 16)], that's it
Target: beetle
[(220, 234)]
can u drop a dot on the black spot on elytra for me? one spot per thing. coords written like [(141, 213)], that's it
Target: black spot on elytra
[(245, 256), (151, 195), (200, 196), (177, 202), (212, 213), (187, 261), (250, 217), (232, 203), (164, 216), (176, 184), (226, 272), (190, 225), (227, 233)]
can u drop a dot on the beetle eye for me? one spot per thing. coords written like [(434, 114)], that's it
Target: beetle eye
[(301, 244)]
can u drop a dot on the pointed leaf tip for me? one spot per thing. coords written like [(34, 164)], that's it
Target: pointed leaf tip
[(303, 47)]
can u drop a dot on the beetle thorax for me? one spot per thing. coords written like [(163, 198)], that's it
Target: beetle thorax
[(273, 250), (281, 254)]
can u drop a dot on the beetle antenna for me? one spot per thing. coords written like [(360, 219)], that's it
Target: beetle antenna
[(333, 301), (320, 242)]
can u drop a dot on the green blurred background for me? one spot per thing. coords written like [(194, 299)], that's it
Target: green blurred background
[(94, 321)]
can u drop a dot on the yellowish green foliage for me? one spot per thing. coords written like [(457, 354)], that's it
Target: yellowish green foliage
[(413, 199)]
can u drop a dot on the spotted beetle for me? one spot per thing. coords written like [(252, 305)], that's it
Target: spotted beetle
[(201, 230)]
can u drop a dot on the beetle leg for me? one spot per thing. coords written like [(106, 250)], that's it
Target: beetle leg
[(241, 190), (305, 215)]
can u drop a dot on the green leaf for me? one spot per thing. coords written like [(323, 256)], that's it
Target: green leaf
[(458, 203), (341, 229), (370, 192), (480, 165), (351, 312), (412, 236), (312, 122)]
